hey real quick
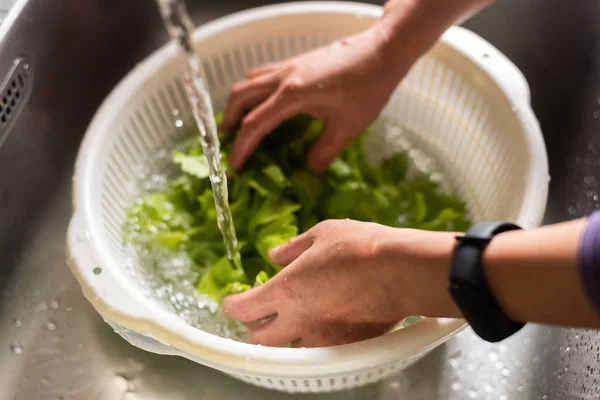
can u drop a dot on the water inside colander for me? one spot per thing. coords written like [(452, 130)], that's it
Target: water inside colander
[(169, 278)]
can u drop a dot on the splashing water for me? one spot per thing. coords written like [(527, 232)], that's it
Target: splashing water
[(169, 277), (180, 28)]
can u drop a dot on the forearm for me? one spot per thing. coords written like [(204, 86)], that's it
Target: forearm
[(534, 275), (409, 28)]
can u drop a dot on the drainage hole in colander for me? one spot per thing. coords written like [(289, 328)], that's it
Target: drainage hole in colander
[(485, 55), (97, 271)]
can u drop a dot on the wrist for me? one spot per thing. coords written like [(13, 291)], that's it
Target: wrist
[(409, 28), (420, 263)]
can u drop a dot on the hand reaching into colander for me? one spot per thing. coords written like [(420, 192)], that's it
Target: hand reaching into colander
[(345, 281), (340, 285), (345, 84)]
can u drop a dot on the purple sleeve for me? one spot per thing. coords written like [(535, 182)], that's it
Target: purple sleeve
[(589, 260)]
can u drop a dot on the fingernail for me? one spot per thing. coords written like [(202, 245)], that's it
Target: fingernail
[(274, 251)]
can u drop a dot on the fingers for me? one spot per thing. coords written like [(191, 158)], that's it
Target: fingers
[(287, 253), (260, 122), (253, 305), (245, 96), (275, 333), (262, 70), (327, 147)]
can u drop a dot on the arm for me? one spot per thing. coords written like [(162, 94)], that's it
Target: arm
[(353, 82), (346, 281), (534, 276), (418, 24)]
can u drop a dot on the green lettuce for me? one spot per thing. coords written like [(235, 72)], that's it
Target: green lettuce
[(275, 198)]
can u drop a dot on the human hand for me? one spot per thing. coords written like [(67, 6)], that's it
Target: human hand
[(345, 85), (346, 281)]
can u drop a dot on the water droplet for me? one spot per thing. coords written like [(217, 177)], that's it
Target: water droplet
[(18, 323), (54, 305), (502, 397), (521, 388), (568, 349), (83, 236), (527, 342), (472, 394), (395, 385), (175, 112), (454, 362), (50, 326), (41, 307), (15, 348), (179, 123), (456, 386), (596, 114), (97, 271), (505, 372), (493, 356)]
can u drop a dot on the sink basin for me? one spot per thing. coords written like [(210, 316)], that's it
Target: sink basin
[(53, 345)]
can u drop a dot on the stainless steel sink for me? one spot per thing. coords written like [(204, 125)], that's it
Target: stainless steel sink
[(52, 343)]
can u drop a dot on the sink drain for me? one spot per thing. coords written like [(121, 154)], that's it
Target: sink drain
[(13, 93)]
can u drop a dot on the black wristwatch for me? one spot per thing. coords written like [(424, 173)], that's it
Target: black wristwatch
[(469, 288)]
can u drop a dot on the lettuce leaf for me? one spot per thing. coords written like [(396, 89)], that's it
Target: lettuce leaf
[(275, 198)]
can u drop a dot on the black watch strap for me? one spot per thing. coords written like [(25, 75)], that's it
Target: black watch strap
[(469, 288)]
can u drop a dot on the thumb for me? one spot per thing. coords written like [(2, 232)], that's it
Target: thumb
[(287, 253), (326, 148)]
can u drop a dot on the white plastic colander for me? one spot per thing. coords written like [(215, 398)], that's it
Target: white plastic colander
[(466, 103)]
